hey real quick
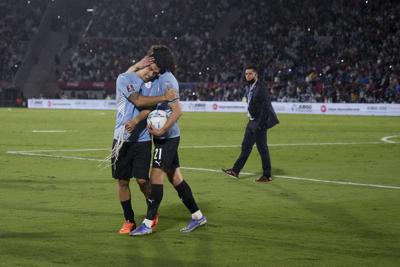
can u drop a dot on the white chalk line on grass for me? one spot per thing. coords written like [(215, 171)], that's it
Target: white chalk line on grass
[(211, 146), (219, 171), (386, 139), (59, 150), (27, 153), (303, 179), (298, 144), (338, 182), (52, 131), (293, 144)]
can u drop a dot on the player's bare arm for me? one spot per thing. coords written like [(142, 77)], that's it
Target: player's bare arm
[(149, 101), (175, 115), (143, 63), (130, 125)]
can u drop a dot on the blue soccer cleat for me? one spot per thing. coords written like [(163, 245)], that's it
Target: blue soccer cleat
[(141, 230), (193, 224)]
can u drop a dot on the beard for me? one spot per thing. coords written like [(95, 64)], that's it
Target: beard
[(251, 81)]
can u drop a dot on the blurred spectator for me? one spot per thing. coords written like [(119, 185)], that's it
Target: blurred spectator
[(19, 21), (339, 51)]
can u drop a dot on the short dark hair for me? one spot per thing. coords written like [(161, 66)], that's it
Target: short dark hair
[(252, 67), (163, 58)]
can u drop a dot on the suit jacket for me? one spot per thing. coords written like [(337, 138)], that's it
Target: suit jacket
[(260, 107)]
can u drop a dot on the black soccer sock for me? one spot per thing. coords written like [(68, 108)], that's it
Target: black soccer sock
[(128, 211), (186, 195), (146, 189), (153, 202)]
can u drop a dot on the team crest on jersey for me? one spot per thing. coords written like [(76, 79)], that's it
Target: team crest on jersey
[(130, 87)]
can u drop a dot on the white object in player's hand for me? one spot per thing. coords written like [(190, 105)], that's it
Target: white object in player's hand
[(157, 118)]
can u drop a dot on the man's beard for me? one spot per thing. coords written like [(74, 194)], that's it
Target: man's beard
[(251, 81)]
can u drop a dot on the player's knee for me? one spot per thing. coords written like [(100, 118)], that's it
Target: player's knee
[(123, 184), (175, 179), (142, 181), (157, 176)]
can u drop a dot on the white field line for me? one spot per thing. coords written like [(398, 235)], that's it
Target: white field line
[(49, 131), (293, 144), (386, 139), (303, 179), (329, 144), (211, 146), (338, 182), (59, 150), (219, 171), (27, 153)]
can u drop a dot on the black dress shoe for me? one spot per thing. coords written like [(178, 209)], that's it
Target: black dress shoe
[(231, 173), (264, 179)]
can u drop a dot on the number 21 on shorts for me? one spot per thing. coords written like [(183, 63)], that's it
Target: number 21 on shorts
[(157, 153)]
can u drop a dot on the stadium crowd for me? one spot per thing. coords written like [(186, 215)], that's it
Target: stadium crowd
[(342, 51), (18, 24), (339, 51), (122, 33)]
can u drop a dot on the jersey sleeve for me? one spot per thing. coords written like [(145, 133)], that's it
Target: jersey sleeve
[(128, 83), (170, 82)]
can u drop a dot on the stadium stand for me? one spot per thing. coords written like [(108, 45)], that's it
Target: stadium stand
[(341, 51), (19, 22)]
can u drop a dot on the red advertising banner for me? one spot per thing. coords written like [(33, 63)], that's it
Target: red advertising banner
[(86, 85)]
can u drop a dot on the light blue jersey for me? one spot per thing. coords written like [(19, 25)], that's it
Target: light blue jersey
[(128, 83), (159, 86)]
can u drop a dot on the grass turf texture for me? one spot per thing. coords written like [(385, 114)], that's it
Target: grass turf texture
[(64, 212)]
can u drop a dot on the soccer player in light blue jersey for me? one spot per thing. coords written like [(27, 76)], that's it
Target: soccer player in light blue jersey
[(166, 143), (131, 155)]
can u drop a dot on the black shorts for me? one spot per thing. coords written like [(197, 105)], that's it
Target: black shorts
[(165, 154), (133, 161)]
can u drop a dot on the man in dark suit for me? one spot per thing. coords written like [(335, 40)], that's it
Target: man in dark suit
[(261, 117)]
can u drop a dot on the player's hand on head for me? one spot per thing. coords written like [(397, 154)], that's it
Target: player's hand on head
[(170, 94), (144, 62)]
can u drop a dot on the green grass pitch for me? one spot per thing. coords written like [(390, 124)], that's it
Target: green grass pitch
[(57, 208)]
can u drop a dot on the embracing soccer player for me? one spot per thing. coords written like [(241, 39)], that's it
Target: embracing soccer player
[(131, 148), (166, 143)]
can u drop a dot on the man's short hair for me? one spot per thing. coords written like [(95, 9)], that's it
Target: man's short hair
[(252, 67), (163, 58)]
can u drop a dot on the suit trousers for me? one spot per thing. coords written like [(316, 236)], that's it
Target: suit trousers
[(259, 137)]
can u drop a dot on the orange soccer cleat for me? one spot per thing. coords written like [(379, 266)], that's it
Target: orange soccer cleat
[(127, 227)]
